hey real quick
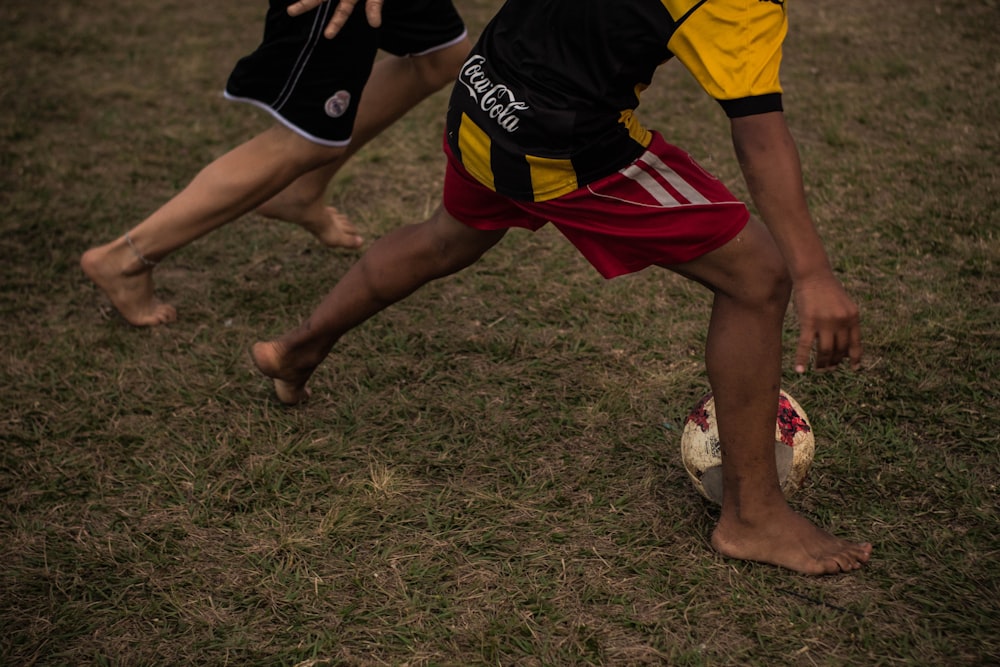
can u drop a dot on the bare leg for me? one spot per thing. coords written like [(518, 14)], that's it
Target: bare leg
[(743, 359), (279, 172), (229, 187), (397, 84), (394, 267)]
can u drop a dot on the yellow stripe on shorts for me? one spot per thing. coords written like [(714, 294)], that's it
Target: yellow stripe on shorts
[(474, 145), (551, 177)]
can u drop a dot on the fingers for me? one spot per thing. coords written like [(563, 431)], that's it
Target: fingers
[(845, 344), (831, 347), (855, 349), (829, 321), (373, 10), (802, 351), (303, 6), (826, 350), (340, 16)]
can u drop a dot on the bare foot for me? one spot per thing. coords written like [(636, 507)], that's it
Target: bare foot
[(789, 540), (331, 227), (131, 293), (289, 385)]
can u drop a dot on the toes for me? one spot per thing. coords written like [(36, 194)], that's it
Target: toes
[(849, 558), (264, 356), (352, 239), (166, 314), (161, 314), (291, 394)]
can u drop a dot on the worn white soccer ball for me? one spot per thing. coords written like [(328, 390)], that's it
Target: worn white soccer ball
[(794, 446)]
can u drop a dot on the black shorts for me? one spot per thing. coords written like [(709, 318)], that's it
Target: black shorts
[(312, 84)]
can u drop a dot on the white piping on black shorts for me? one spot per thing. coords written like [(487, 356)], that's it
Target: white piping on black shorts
[(315, 34)]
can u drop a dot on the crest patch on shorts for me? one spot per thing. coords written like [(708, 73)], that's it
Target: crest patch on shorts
[(337, 104)]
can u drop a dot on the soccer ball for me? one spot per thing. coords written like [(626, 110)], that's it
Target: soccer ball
[(794, 446)]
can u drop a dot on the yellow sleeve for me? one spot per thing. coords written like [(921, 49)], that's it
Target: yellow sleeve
[(732, 47)]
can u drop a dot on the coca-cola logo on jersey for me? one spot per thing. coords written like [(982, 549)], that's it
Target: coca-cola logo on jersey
[(495, 99)]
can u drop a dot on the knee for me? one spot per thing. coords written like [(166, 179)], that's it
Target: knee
[(311, 155), (451, 246), (287, 147), (414, 255), (771, 286), (444, 250)]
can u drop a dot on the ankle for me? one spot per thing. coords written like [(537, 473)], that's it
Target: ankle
[(754, 509), (134, 261), (303, 359), (113, 261)]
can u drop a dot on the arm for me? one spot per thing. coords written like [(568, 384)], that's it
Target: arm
[(373, 10), (827, 316)]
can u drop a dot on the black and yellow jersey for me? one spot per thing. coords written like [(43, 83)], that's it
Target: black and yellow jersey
[(545, 103)]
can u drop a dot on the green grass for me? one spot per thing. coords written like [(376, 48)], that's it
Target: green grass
[(488, 473)]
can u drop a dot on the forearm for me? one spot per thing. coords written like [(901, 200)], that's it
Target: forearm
[(828, 317), (770, 163)]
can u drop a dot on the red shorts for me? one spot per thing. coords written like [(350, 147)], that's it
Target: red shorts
[(662, 209)]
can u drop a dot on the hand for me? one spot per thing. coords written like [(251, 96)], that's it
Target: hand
[(373, 10), (828, 318)]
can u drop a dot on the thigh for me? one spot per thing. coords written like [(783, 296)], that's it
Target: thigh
[(748, 266)]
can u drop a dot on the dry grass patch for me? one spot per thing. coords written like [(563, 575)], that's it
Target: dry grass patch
[(487, 473)]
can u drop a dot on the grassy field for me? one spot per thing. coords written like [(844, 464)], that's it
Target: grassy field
[(487, 474)]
